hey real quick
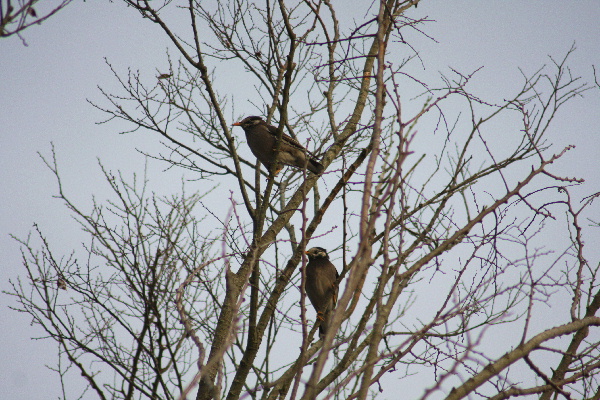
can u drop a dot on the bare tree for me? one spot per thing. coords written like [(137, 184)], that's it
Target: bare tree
[(16, 16), (438, 214)]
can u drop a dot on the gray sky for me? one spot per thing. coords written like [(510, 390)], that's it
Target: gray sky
[(44, 88)]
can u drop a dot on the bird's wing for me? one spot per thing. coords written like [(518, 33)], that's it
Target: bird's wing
[(287, 139), (335, 286)]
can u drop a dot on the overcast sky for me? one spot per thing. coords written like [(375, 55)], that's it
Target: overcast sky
[(44, 88)]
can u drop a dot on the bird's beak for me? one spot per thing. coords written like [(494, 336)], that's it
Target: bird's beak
[(237, 124), (306, 252)]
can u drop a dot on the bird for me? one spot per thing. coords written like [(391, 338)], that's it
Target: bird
[(262, 139), (321, 286)]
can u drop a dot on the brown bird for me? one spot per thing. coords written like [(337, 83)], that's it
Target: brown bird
[(321, 285), (262, 139)]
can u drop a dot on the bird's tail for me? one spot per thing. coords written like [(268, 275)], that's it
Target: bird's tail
[(325, 322), (315, 167), (322, 331)]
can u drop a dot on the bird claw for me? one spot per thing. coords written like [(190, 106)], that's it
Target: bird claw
[(275, 170), (320, 316)]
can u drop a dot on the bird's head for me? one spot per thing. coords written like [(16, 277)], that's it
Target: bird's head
[(317, 252), (249, 122)]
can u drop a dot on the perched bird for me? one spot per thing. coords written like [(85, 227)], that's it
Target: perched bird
[(262, 139), (321, 285)]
